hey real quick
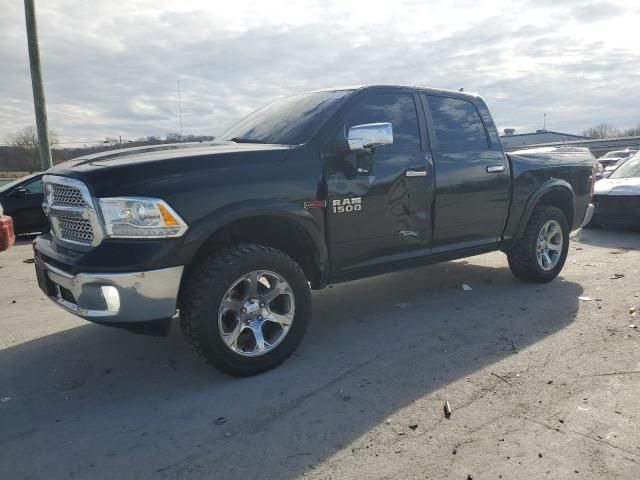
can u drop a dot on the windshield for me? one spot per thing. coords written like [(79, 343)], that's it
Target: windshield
[(630, 168), (10, 185), (288, 121)]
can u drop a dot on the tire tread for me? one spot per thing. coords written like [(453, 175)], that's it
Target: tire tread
[(521, 262), (197, 289)]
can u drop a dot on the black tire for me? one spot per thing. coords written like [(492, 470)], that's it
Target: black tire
[(522, 255), (203, 293)]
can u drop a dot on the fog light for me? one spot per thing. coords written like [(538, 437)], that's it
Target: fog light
[(111, 298)]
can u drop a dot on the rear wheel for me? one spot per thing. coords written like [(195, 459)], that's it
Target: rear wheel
[(539, 255), (246, 309)]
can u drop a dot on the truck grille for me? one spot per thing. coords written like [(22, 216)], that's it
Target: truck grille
[(76, 229), (71, 211), (65, 196)]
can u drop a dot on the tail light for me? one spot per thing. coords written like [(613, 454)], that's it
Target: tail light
[(594, 171)]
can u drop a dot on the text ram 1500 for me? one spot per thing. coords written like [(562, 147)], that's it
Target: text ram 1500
[(313, 189)]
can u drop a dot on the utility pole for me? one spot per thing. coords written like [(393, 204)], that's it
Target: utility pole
[(36, 83), (180, 109)]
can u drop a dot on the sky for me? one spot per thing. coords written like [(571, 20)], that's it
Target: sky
[(112, 68)]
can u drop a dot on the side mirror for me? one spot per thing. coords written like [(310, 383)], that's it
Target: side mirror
[(370, 135), (20, 192)]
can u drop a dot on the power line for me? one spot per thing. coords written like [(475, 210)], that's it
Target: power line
[(92, 143)]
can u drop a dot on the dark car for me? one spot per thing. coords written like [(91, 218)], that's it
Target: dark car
[(22, 199), (314, 189)]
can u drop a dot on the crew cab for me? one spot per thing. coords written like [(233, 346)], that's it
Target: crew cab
[(313, 189)]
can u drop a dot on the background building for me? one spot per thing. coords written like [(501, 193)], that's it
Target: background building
[(510, 139)]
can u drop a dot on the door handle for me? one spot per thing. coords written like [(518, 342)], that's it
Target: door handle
[(415, 173), (495, 168)]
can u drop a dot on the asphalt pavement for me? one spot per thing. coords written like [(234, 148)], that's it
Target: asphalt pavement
[(542, 381)]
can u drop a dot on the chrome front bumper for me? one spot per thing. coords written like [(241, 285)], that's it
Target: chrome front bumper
[(113, 297), (588, 215)]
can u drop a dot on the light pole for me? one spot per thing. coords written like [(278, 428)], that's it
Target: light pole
[(36, 83)]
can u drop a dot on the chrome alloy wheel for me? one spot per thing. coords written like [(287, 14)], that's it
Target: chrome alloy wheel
[(256, 313), (549, 245)]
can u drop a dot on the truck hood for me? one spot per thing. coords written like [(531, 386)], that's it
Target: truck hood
[(153, 153), (618, 186), (109, 173)]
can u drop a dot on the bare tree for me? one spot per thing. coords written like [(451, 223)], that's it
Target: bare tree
[(177, 137), (27, 138), (111, 142), (173, 138), (603, 130), (631, 132)]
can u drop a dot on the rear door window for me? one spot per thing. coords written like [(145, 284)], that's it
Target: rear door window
[(457, 124)]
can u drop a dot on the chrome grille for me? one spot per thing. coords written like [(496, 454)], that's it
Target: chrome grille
[(66, 196), (71, 211), (75, 229)]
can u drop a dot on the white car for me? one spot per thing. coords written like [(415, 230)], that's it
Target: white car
[(611, 159), (617, 198)]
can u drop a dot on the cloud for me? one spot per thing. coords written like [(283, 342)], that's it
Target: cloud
[(582, 11), (597, 11), (112, 71)]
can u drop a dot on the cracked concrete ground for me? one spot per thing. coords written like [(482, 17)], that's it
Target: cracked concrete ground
[(541, 384)]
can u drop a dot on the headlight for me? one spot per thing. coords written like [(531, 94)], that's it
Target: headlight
[(138, 217)]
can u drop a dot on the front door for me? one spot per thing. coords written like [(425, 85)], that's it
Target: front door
[(26, 207), (379, 203)]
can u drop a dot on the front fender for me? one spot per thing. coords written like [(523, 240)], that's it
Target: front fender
[(309, 221)]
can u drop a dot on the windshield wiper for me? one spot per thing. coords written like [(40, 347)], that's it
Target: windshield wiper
[(245, 140)]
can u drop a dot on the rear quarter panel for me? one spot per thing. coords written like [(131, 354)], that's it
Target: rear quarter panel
[(537, 171)]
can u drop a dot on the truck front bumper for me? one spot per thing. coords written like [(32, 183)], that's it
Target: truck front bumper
[(114, 298)]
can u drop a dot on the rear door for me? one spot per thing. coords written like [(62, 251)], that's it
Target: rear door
[(472, 173), (380, 203)]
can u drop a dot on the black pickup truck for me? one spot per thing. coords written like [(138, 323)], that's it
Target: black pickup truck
[(313, 189)]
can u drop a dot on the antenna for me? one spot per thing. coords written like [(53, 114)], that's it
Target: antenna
[(180, 108), (544, 121)]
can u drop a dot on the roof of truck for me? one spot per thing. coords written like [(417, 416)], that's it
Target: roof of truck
[(416, 87)]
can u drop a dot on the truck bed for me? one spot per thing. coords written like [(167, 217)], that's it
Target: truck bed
[(535, 168)]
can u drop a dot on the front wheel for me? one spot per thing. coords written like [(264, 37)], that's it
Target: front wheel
[(246, 309), (539, 255)]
